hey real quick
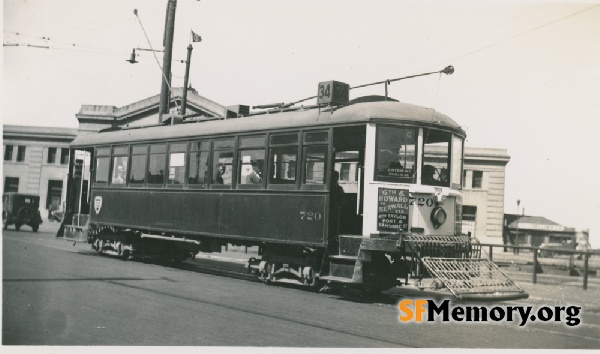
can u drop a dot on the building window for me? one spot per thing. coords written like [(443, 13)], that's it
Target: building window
[(477, 179), (51, 155), (11, 184), (469, 217), (8, 152), (53, 198), (64, 156), (21, 153)]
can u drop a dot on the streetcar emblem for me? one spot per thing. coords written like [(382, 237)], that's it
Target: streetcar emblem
[(97, 204)]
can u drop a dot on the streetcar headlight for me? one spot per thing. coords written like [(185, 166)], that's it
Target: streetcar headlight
[(438, 216)]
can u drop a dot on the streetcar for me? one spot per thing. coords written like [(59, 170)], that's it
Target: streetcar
[(362, 193)]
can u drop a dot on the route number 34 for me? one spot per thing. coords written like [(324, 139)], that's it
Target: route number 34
[(310, 216), (332, 92)]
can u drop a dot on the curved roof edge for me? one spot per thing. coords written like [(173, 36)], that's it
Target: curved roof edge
[(356, 113)]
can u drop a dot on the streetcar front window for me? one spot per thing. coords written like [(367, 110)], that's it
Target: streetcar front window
[(436, 158), (396, 157)]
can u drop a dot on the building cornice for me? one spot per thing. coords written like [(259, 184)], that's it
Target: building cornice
[(23, 132)]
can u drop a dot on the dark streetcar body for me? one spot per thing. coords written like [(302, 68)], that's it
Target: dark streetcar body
[(271, 180)]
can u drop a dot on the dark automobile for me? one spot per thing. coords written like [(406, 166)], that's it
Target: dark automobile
[(21, 209), (549, 249)]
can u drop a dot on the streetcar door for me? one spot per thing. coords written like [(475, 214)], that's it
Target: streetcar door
[(79, 182), (348, 162)]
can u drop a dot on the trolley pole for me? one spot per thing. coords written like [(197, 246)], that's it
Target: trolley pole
[(186, 78), (166, 74)]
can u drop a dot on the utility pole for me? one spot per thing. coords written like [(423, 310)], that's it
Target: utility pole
[(185, 79), (168, 44)]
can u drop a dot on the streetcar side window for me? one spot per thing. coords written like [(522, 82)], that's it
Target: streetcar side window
[(139, 158), (156, 165), (176, 170), (119, 165), (315, 158), (316, 161), (222, 163), (198, 175), (283, 160), (457, 162), (102, 165), (251, 161)]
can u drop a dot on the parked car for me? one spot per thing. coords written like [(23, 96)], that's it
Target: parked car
[(550, 248), (21, 209)]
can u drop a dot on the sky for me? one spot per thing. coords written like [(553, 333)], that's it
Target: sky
[(527, 74)]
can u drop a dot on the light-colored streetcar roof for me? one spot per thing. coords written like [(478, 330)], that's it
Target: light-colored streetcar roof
[(386, 111)]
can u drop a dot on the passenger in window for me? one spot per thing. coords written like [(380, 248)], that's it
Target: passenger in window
[(220, 173), (337, 192), (395, 164), (120, 177), (428, 174), (444, 175), (255, 175)]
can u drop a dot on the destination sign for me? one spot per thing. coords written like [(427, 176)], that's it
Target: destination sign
[(392, 210)]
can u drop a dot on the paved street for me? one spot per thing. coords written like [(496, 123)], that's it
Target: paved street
[(55, 293)]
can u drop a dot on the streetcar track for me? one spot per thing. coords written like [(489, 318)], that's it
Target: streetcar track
[(257, 313), (215, 271)]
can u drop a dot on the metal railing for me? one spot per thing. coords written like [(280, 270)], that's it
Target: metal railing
[(585, 254)]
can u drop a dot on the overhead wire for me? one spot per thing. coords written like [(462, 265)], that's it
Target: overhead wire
[(523, 33), (462, 40)]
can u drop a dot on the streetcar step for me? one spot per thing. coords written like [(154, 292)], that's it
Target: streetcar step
[(334, 279), (342, 257), (349, 244)]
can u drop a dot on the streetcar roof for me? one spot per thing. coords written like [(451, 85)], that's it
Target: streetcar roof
[(390, 112)]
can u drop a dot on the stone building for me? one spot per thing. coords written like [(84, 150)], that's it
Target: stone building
[(36, 161), (483, 193)]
